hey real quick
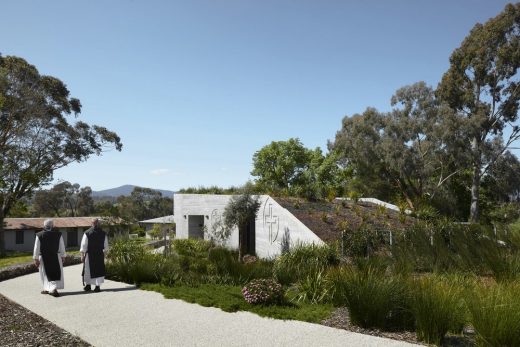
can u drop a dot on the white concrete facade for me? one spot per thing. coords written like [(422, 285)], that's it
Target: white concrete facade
[(195, 214)]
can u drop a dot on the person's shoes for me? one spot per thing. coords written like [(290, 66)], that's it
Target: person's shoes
[(87, 288), (97, 289), (55, 293), (44, 292)]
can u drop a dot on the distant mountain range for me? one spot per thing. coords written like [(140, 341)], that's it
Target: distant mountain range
[(125, 190)]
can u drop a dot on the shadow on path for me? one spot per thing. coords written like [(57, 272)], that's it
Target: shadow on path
[(82, 292)]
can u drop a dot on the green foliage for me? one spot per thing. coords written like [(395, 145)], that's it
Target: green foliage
[(156, 232), (374, 299), (142, 204), (363, 241), (495, 314), (239, 211), (438, 307), (215, 190), (64, 199), (130, 262), (314, 288), (481, 87), (263, 291), (191, 247), (230, 299), (288, 168), (40, 117), (301, 260), (443, 246)]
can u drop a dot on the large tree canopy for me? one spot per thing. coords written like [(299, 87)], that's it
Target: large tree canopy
[(39, 132), (144, 203), (291, 168), (482, 85), (64, 199), (411, 151)]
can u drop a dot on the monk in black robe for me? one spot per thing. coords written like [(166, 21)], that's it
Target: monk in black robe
[(94, 245), (48, 255)]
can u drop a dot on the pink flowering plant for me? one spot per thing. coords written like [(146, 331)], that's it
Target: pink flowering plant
[(262, 291)]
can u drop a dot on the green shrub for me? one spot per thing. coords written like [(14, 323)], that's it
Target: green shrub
[(225, 265), (314, 288), (374, 299), (495, 314), (129, 261), (363, 241), (300, 261), (192, 247), (438, 308), (263, 291)]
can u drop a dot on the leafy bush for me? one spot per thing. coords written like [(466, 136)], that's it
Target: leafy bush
[(263, 291), (303, 259), (438, 308), (363, 241), (192, 247), (495, 314), (374, 299)]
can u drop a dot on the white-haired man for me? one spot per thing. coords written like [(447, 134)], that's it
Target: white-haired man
[(48, 254), (93, 248)]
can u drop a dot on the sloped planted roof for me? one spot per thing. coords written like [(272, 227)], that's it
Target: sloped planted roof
[(325, 218), (37, 223)]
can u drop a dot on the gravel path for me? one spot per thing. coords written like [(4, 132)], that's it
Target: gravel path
[(122, 315)]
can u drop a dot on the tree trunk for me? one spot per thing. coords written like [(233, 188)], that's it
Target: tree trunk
[(474, 213), (2, 233), (240, 242)]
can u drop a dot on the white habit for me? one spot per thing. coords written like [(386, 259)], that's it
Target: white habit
[(49, 285), (83, 249)]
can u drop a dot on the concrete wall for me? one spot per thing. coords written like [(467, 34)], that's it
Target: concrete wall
[(271, 222)]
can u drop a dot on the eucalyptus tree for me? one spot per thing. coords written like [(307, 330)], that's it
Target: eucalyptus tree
[(39, 131), (482, 85), (411, 151)]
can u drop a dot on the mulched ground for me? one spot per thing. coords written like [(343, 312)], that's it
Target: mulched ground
[(21, 327), (340, 320)]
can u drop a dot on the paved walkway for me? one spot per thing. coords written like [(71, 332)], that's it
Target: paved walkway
[(122, 315)]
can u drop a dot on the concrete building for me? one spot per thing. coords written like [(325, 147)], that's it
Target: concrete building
[(195, 216), (21, 232), (166, 222)]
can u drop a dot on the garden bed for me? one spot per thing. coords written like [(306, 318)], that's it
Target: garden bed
[(20, 327), (26, 268)]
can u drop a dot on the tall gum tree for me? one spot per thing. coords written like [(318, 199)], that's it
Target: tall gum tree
[(482, 86), (39, 132)]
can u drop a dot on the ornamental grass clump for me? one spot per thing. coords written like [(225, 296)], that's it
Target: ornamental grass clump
[(374, 299), (438, 307), (495, 314), (302, 260), (263, 291), (314, 289)]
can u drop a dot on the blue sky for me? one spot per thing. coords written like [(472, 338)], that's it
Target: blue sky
[(194, 88)]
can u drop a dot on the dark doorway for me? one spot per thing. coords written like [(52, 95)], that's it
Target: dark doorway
[(72, 238), (251, 237), (196, 227)]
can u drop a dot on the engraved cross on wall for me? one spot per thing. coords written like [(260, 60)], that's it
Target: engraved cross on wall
[(271, 221)]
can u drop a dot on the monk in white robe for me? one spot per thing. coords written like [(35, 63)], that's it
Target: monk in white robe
[(48, 255), (94, 245)]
